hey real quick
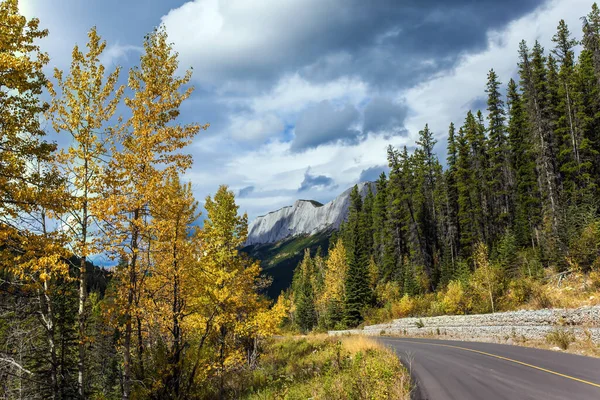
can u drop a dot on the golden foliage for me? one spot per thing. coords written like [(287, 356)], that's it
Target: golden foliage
[(22, 81)]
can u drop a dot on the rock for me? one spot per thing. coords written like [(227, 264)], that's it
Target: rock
[(304, 217), (583, 322)]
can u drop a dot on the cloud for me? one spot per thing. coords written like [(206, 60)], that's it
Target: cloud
[(447, 96), (115, 52), (372, 174), (293, 93), (382, 114), (237, 40), (255, 128), (323, 123), (245, 192), (311, 181)]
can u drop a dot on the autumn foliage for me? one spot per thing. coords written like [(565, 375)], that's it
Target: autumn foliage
[(182, 310)]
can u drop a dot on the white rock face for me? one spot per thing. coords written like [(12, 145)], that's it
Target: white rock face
[(304, 217)]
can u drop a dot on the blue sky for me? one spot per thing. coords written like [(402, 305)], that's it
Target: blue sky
[(303, 96)]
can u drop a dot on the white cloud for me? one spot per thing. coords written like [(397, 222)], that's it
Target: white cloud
[(255, 128), (446, 97), (293, 94), (221, 36), (113, 53)]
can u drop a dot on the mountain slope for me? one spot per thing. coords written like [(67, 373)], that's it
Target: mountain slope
[(279, 238), (279, 260), (305, 217)]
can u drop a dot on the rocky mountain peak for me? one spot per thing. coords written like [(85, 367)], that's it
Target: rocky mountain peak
[(304, 217)]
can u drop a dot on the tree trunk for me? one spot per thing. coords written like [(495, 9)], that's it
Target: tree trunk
[(130, 302)]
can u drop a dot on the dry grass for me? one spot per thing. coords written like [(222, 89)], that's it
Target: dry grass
[(354, 344), (320, 367), (573, 291)]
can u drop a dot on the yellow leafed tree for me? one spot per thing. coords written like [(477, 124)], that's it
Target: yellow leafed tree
[(332, 298), (145, 150), (32, 256), (227, 310), (83, 105), (21, 82), (173, 256)]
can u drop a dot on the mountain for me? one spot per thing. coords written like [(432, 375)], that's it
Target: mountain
[(279, 238), (305, 217)]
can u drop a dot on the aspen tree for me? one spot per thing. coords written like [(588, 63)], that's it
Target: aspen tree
[(86, 102), (146, 149)]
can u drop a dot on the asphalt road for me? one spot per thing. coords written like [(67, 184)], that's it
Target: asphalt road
[(456, 370)]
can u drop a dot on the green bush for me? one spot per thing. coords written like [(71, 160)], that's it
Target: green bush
[(561, 338)]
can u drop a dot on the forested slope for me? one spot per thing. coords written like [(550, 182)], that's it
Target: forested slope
[(517, 203)]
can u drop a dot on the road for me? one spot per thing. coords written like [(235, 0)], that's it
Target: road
[(456, 370)]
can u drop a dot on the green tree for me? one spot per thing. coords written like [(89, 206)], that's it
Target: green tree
[(500, 172), (527, 216), (357, 289)]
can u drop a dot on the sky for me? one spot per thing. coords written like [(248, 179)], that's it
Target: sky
[(304, 96)]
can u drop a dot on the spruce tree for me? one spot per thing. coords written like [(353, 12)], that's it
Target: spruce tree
[(527, 201), (379, 221), (500, 173), (306, 315), (452, 208), (357, 290)]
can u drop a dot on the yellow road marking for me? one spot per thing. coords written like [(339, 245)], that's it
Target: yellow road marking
[(504, 358)]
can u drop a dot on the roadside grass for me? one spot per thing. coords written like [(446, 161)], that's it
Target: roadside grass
[(318, 367), (560, 337)]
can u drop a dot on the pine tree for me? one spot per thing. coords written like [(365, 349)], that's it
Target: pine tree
[(367, 217), (357, 290), (500, 174), (527, 202), (452, 207), (306, 314), (379, 221), (428, 172), (566, 129), (467, 201)]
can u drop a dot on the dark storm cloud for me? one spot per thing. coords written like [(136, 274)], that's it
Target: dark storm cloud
[(403, 42), (372, 174), (383, 42), (244, 192), (322, 123), (382, 114), (311, 181)]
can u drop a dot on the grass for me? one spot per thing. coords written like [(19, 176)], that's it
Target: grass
[(320, 367), (560, 337)]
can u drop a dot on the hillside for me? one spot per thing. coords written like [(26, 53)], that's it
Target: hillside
[(280, 259), (279, 238)]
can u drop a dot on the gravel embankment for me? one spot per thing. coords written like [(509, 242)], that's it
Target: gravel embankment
[(529, 324)]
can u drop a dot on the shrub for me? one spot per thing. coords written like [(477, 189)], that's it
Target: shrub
[(595, 280), (455, 300), (519, 292), (540, 298), (561, 338), (403, 308), (585, 248)]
